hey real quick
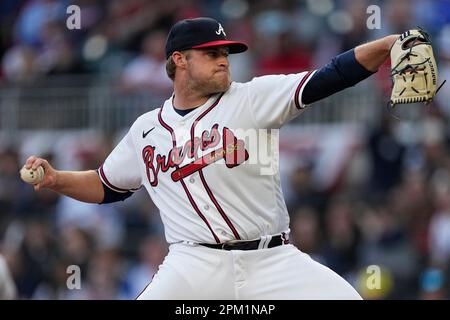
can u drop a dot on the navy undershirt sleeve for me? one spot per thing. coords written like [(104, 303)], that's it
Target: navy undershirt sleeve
[(342, 72), (113, 196)]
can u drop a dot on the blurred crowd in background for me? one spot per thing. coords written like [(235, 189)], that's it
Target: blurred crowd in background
[(388, 206)]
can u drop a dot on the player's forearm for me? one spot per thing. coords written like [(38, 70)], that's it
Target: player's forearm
[(84, 186), (373, 54)]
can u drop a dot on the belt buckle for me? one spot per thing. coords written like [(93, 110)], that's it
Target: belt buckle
[(229, 243)]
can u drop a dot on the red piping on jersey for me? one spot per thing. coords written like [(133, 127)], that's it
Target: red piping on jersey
[(109, 184), (191, 200), (222, 213), (202, 178), (297, 92)]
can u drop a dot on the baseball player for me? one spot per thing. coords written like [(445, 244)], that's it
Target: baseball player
[(225, 219)]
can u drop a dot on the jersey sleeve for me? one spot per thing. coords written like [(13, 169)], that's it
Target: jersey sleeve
[(120, 171), (276, 99)]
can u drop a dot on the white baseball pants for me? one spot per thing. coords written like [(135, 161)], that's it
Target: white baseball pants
[(280, 273)]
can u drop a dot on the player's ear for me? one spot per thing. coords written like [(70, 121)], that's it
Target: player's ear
[(179, 59)]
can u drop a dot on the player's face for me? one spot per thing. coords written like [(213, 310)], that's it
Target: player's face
[(208, 70)]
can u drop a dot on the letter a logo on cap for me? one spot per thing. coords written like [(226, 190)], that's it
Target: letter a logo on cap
[(221, 30)]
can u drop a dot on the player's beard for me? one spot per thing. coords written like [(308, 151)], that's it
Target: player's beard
[(217, 83)]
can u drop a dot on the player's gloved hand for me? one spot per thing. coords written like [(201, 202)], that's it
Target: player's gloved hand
[(414, 71)]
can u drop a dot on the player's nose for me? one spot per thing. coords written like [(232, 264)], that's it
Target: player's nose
[(223, 62)]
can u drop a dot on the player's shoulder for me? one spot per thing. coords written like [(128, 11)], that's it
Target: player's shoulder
[(278, 77), (146, 119), (151, 115), (272, 81), (270, 78)]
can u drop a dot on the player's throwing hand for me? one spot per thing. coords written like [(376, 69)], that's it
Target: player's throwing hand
[(49, 177)]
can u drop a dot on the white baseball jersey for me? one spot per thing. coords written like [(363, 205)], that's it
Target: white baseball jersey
[(211, 172)]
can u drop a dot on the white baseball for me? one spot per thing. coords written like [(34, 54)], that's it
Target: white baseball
[(32, 176)]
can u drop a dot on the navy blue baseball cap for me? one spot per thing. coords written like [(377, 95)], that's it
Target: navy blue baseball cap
[(199, 33)]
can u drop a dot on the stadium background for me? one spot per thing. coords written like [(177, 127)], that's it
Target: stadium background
[(362, 188)]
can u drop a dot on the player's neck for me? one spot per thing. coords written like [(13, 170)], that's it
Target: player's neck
[(184, 102), (187, 99)]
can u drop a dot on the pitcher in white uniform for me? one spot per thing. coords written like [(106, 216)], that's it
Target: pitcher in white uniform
[(224, 213)]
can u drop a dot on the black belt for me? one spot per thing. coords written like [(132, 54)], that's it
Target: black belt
[(246, 245)]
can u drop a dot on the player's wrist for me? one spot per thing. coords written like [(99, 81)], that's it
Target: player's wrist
[(55, 180), (389, 41)]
